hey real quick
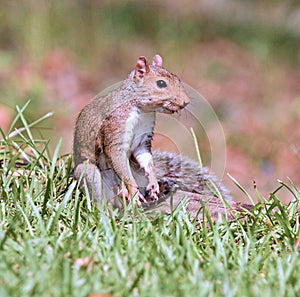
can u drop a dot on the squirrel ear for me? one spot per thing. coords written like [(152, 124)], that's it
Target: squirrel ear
[(157, 61), (141, 67)]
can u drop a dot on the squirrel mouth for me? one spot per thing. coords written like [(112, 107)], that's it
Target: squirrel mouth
[(167, 110), (171, 108)]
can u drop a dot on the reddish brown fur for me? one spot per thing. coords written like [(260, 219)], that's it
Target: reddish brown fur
[(104, 141)]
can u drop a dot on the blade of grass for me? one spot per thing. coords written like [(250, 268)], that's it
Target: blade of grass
[(55, 158), (18, 131), (17, 118), (241, 188), (197, 148), (30, 228), (62, 205)]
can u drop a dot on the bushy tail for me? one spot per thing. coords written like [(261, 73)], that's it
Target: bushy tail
[(187, 175)]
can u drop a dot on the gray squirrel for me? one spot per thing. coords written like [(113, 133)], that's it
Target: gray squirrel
[(113, 137)]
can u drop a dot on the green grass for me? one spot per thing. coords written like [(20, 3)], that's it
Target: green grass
[(53, 242)]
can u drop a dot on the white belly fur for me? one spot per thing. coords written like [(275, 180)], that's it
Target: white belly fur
[(138, 124)]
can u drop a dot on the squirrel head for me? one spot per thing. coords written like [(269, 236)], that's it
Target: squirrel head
[(158, 89)]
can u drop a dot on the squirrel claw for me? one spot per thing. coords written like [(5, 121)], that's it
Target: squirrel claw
[(139, 198)]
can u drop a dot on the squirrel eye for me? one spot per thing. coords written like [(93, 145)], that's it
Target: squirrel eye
[(161, 83)]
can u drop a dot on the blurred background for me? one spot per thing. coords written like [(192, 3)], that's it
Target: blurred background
[(242, 56)]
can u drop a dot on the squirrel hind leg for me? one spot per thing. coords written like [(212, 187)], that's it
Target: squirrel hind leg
[(89, 174)]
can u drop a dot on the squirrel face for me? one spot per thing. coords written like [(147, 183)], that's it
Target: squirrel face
[(158, 89)]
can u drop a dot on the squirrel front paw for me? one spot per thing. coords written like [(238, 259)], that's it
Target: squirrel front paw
[(152, 192), (133, 195)]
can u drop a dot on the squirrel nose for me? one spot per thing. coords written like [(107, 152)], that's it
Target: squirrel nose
[(185, 103), (182, 100)]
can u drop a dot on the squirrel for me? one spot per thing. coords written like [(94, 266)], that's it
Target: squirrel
[(113, 137)]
